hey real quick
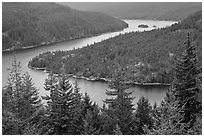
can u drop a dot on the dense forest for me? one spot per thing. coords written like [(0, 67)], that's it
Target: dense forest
[(68, 112), (142, 57), (35, 24)]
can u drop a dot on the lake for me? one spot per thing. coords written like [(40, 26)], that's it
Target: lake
[(97, 89)]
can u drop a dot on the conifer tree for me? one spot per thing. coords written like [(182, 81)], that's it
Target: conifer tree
[(10, 124), (120, 107), (11, 91), (167, 119), (90, 125), (90, 116), (186, 83), (31, 102), (180, 111), (35, 126), (87, 104), (78, 121), (77, 94), (107, 122), (61, 105), (143, 116), (20, 98)]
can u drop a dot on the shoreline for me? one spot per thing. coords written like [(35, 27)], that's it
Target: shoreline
[(45, 44), (59, 41), (94, 79)]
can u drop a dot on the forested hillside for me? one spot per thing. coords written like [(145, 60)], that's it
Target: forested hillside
[(144, 57), (34, 24), (68, 112), (141, 10)]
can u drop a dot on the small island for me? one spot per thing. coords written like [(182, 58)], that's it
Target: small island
[(143, 26)]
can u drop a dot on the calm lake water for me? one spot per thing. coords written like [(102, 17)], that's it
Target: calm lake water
[(96, 90)]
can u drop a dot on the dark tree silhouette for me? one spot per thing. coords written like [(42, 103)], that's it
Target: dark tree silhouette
[(186, 83)]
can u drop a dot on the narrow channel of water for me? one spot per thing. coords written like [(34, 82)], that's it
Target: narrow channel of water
[(96, 90)]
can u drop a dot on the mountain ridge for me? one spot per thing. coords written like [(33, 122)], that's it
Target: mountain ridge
[(141, 10), (29, 24)]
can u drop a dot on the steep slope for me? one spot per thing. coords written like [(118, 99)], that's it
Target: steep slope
[(141, 10), (144, 57), (34, 24)]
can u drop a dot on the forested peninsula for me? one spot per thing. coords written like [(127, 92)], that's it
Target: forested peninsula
[(27, 25), (69, 112), (142, 57)]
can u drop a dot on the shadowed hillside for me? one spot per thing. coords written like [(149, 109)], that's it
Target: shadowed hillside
[(34, 24)]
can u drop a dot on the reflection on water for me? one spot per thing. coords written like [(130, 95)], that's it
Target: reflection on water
[(96, 90)]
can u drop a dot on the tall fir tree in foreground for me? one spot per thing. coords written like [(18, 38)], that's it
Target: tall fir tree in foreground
[(186, 83), (180, 112), (119, 107), (20, 101), (143, 116), (62, 106), (90, 116), (167, 118)]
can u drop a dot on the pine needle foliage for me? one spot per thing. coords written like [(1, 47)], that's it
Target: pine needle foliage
[(62, 105), (120, 106), (186, 83), (20, 101)]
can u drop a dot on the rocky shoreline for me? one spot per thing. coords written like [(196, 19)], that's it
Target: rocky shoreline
[(92, 78)]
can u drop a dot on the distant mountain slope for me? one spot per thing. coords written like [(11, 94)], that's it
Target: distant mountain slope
[(145, 57), (142, 10), (33, 24)]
